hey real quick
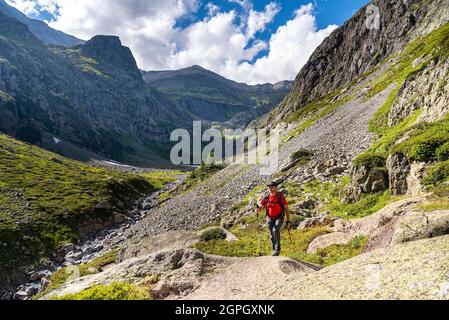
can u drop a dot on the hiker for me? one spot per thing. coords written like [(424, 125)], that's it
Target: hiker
[(276, 208)]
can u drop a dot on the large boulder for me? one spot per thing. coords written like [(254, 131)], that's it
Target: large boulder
[(365, 179), (398, 169), (420, 225), (320, 221), (328, 240), (414, 179), (294, 159)]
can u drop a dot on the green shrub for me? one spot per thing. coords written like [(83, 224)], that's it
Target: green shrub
[(370, 160), (114, 291), (427, 141), (214, 233), (60, 277), (442, 152), (437, 174)]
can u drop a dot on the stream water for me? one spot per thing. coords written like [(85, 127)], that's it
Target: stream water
[(89, 249)]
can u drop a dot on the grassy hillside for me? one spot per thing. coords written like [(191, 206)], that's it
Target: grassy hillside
[(44, 198)]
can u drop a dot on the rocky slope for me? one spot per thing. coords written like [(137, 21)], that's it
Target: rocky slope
[(354, 49), (211, 97), (39, 28)]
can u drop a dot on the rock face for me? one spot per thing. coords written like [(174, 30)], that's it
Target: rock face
[(366, 180), (353, 49), (82, 101), (398, 169), (295, 158), (414, 179), (429, 91), (108, 50), (180, 270)]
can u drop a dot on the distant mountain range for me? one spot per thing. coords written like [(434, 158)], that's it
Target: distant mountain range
[(39, 28), (212, 97), (89, 99)]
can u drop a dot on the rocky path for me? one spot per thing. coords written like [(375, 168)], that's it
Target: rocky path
[(250, 279), (415, 270)]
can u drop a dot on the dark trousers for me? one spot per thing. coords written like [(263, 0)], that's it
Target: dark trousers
[(275, 226)]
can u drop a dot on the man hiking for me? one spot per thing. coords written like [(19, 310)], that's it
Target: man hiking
[(276, 208)]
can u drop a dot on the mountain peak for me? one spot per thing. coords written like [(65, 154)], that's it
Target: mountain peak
[(15, 30), (109, 51), (39, 28)]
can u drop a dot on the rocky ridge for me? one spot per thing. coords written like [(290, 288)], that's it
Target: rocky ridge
[(354, 49)]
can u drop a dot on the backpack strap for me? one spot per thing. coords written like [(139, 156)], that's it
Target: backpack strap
[(267, 200), (280, 196)]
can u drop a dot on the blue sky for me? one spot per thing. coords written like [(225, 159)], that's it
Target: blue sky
[(327, 12), (252, 41)]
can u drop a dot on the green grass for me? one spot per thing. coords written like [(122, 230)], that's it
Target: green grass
[(60, 277), (201, 174), (328, 195), (338, 253), (435, 204), (44, 198), (365, 206), (115, 291), (427, 142), (247, 245)]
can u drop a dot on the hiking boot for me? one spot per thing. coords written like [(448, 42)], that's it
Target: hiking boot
[(276, 254)]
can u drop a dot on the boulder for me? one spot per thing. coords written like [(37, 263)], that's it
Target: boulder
[(306, 204), (414, 179), (398, 169), (365, 180), (294, 159), (328, 240), (68, 248), (103, 205), (119, 218), (333, 171), (323, 220), (419, 225), (21, 295)]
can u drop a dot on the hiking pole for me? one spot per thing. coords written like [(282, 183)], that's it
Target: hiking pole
[(259, 251), (289, 229)]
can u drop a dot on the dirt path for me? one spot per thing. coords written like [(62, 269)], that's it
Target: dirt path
[(251, 278)]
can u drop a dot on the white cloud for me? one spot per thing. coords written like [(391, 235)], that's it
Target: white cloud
[(32, 7), (224, 42), (212, 8)]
